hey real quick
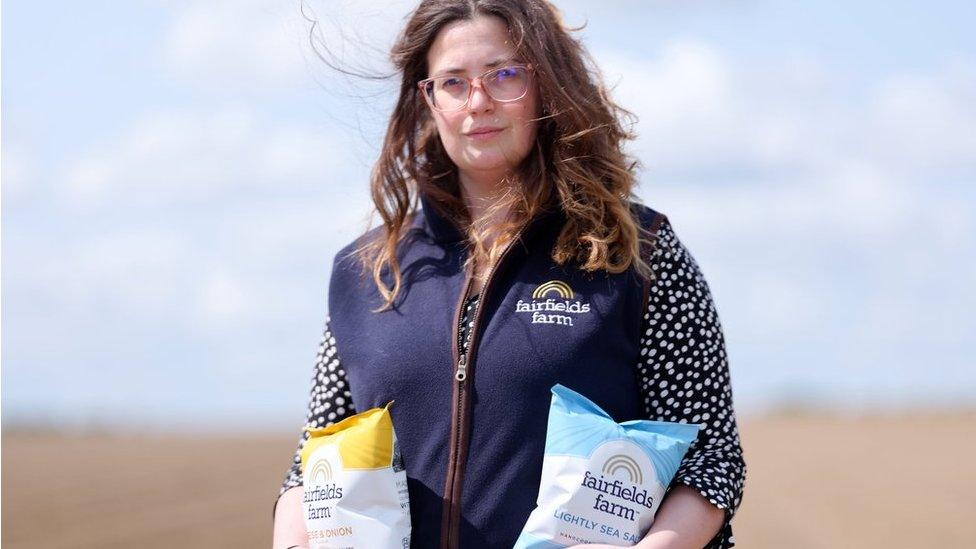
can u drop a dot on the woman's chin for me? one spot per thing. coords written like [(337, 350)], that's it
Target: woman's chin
[(487, 161)]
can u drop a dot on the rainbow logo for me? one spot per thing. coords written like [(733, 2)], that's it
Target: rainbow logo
[(321, 472), (624, 465), (558, 286), (546, 308)]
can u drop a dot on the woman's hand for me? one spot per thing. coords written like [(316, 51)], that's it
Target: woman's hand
[(646, 543)]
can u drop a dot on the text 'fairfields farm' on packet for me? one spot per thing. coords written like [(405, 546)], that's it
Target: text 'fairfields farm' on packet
[(355, 485), (602, 481)]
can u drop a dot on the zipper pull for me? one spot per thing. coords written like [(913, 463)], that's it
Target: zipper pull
[(462, 368)]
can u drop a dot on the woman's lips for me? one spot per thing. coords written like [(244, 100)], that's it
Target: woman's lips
[(485, 135)]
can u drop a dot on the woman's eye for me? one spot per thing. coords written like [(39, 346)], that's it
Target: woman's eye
[(451, 82), (506, 73)]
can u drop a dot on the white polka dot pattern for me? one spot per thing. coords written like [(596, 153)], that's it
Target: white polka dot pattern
[(467, 322), (684, 376), (330, 401)]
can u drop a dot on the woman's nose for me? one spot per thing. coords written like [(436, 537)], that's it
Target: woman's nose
[(479, 100)]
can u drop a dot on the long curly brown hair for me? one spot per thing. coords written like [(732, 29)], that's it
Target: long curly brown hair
[(577, 160)]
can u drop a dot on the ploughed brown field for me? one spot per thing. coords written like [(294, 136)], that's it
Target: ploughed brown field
[(907, 481)]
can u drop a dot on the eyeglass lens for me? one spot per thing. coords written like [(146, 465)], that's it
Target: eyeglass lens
[(503, 84)]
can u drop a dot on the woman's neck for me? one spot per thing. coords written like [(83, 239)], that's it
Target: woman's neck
[(479, 194)]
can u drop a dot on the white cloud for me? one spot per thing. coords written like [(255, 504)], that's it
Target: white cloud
[(21, 171), (136, 272), (703, 115), (224, 296), (256, 265), (234, 45), (179, 157), (257, 272), (681, 98), (230, 45), (926, 121), (800, 201), (782, 305)]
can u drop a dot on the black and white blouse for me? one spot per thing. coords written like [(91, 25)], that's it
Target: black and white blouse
[(683, 369)]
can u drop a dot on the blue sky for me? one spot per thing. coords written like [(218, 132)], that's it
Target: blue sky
[(177, 177)]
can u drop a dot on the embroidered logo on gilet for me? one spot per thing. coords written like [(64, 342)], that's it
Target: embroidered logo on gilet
[(553, 303)]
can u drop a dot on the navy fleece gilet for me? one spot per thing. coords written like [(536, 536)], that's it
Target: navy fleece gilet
[(405, 354)]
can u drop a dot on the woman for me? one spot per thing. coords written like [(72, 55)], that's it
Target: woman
[(529, 263)]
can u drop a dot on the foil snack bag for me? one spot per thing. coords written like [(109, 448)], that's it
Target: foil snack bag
[(355, 485), (602, 481)]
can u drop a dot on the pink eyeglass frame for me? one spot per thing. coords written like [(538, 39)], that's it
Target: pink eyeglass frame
[(471, 83)]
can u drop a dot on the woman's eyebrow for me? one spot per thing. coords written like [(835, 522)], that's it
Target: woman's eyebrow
[(491, 65)]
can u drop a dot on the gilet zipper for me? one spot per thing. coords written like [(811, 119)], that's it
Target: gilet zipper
[(457, 454)]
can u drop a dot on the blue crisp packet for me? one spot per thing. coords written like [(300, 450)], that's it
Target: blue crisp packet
[(602, 481)]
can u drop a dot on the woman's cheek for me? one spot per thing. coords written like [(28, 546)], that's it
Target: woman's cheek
[(451, 138), (525, 138)]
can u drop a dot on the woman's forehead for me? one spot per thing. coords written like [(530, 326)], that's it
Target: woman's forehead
[(470, 45)]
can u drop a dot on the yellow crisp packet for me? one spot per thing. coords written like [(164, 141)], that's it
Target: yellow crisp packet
[(355, 484)]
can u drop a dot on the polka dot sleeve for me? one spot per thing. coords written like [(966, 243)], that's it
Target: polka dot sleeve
[(685, 377), (329, 402)]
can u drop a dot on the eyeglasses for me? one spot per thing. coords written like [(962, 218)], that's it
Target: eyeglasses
[(451, 93)]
